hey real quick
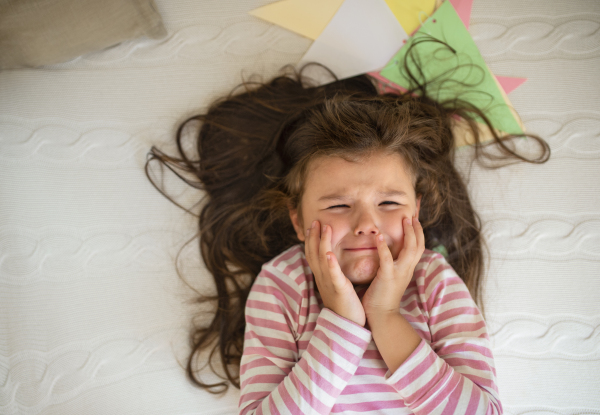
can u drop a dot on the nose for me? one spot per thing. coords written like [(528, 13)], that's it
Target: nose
[(365, 224)]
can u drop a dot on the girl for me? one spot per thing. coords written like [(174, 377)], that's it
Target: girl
[(323, 207)]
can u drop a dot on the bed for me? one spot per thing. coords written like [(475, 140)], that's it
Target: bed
[(93, 315)]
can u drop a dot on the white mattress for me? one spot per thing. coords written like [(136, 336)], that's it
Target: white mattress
[(93, 317)]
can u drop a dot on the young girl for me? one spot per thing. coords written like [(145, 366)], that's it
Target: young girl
[(323, 207)]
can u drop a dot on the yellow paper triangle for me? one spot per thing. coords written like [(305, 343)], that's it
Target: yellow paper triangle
[(305, 17), (411, 13)]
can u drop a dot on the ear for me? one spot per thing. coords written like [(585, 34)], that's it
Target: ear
[(297, 222), (418, 205)]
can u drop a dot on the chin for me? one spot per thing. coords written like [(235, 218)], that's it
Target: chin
[(361, 270)]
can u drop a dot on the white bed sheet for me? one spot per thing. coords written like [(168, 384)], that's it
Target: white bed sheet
[(93, 317)]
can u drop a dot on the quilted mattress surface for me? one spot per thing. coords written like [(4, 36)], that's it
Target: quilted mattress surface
[(93, 316)]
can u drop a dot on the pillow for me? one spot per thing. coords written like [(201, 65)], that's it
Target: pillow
[(43, 32)]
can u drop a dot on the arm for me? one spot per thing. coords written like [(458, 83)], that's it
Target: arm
[(395, 338), (453, 375), (273, 379), (456, 373)]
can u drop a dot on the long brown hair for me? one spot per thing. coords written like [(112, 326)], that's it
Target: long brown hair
[(254, 147)]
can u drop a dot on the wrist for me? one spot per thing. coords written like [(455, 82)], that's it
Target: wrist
[(382, 311), (394, 337), (383, 304), (382, 316), (349, 313)]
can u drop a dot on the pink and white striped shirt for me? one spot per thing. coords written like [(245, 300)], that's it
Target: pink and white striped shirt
[(301, 358)]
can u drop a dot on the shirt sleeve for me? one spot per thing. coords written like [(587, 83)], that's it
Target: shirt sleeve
[(455, 374), (273, 379)]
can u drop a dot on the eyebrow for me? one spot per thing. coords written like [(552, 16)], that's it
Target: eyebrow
[(336, 196)]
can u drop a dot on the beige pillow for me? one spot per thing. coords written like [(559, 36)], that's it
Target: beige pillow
[(42, 32)]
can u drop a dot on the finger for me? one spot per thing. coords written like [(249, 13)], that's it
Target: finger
[(324, 245), (386, 260), (326, 237), (335, 272), (420, 236), (312, 244), (409, 249)]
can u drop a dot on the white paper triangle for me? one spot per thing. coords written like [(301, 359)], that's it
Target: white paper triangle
[(361, 37)]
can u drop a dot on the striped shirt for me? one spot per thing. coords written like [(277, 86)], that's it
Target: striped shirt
[(301, 358)]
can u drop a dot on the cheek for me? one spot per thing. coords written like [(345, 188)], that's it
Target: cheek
[(395, 232), (340, 229), (338, 225)]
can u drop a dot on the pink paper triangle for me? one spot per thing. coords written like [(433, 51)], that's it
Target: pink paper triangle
[(510, 84), (385, 85), (463, 9), (507, 83)]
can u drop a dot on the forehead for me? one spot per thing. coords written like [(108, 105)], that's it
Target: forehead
[(378, 172)]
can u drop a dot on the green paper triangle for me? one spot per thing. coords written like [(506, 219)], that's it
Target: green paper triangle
[(436, 59)]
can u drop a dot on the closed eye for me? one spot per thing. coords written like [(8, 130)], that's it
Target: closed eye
[(387, 202)]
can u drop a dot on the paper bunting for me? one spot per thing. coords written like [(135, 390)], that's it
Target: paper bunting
[(352, 38), (351, 44), (310, 17), (465, 66), (305, 17), (463, 9), (411, 13), (510, 84)]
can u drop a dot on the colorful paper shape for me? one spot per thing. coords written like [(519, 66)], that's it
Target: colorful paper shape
[(310, 17), (463, 9), (507, 83), (510, 84), (361, 37), (466, 66), (460, 129), (385, 85), (305, 17), (411, 13)]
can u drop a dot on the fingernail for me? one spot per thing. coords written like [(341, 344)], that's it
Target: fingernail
[(307, 232), (380, 237), (324, 228), (408, 221), (314, 224), (328, 257)]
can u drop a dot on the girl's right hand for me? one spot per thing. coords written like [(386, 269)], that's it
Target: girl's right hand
[(337, 292)]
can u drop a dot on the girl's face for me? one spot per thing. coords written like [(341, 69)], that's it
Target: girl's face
[(359, 200)]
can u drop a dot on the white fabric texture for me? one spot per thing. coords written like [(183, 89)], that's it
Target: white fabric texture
[(93, 316)]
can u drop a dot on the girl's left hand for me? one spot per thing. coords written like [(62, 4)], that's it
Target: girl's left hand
[(387, 288)]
